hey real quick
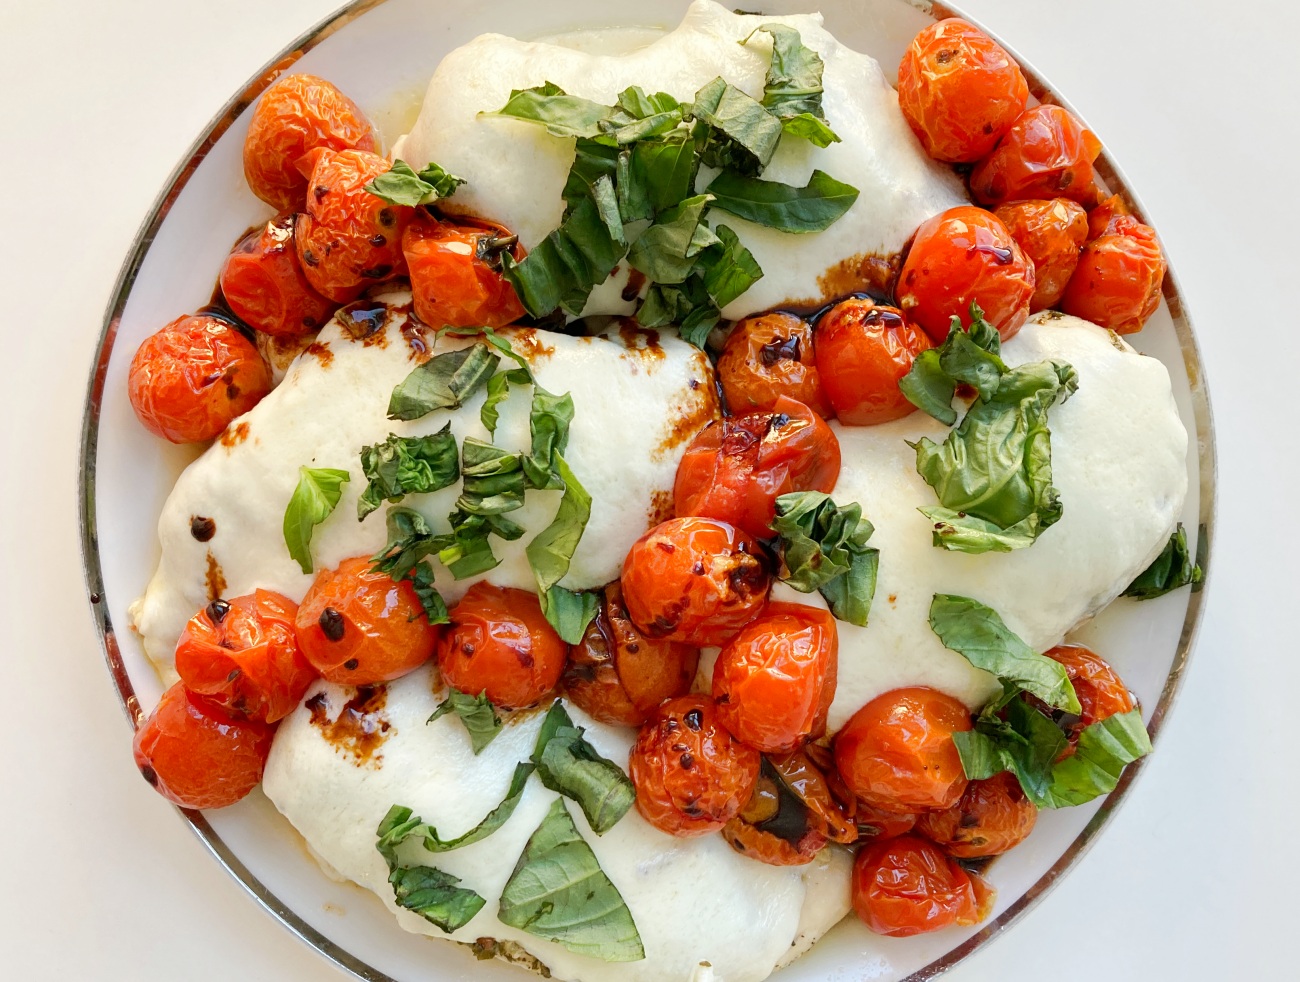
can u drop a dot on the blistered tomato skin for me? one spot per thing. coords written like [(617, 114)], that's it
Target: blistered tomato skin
[(691, 775), (242, 654), (455, 271), (1046, 154), (349, 239), (263, 283), (695, 580), (897, 753), (500, 643), (961, 255), (1102, 693), (878, 824), (1117, 282), (959, 91), (774, 681), (1051, 233), (197, 756), (359, 627), (1099, 218), (296, 115), (906, 886), (991, 817), (770, 356), (863, 350), (189, 380)]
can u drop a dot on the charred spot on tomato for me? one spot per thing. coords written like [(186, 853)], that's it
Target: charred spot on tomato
[(150, 775), (217, 611), (351, 664), (387, 218), (310, 258), (687, 761), (377, 272), (202, 528), (332, 625), (378, 239), (320, 191)]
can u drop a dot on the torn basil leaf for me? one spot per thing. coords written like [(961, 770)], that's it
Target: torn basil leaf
[(402, 825), (970, 357), (823, 546), (435, 608), (427, 891), (469, 552), (638, 116), (312, 501), (560, 113), (551, 551), (548, 422), (741, 135), (665, 252), (559, 893), (814, 207), (1173, 568), (403, 465), (655, 175), (498, 387), (410, 539), (1026, 743), (567, 763), (400, 185), (729, 269), (793, 90), (1104, 749), (493, 479), (476, 713), (445, 381)]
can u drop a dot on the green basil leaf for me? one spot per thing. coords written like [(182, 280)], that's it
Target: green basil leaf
[(435, 608), (741, 134), (812, 208), (551, 550), (494, 479), (470, 552), (560, 113), (400, 185), (977, 633), (729, 268), (498, 387), (477, 714), (1026, 743), (410, 539), (665, 252), (445, 381), (1172, 569), (558, 892), (638, 116), (658, 174), (402, 825), (808, 127), (793, 90), (567, 763), (403, 465), (1105, 748), (312, 501), (548, 421), (823, 546), (569, 612), (429, 892), (964, 357)]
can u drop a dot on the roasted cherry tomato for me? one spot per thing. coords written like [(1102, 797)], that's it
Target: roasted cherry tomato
[(263, 283), (767, 357), (349, 239), (876, 823), (1118, 279), (242, 654), (1100, 690), (863, 350), (455, 271), (691, 775), (897, 752), (196, 755), (296, 115), (618, 675), (695, 580), (188, 381), (735, 469), (358, 627), (500, 643), (959, 91), (1046, 154), (960, 255), (1099, 217), (992, 816), (790, 816), (906, 885), (1051, 233), (774, 681)]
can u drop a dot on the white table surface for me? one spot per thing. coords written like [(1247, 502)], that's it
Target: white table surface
[(1193, 880)]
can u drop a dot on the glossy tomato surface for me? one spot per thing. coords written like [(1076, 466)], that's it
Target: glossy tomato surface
[(1051, 233), (1102, 693), (1117, 282), (263, 283), (783, 822), (1099, 218), (770, 356), (863, 350), (1046, 154), (906, 886), (992, 816), (455, 270)]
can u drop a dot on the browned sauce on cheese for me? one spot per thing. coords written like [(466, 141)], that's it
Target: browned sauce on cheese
[(360, 728)]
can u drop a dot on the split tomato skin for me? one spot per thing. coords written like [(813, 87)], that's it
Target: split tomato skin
[(455, 270), (1047, 153), (863, 350), (264, 286), (992, 816), (1119, 277), (1051, 233), (906, 886), (770, 356)]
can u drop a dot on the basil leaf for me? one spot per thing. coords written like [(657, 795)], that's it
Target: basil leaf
[(400, 185), (470, 552), (445, 381), (403, 465), (402, 825), (591, 162), (666, 250), (964, 357), (494, 479), (435, 608), (567, 763), (498, 387), (1025, 743), (741, 135), (429, 892), (560, 113), (793, 90), (823, 546), (1105, 748), (551, 552), (729, 268), (638, 116), (548, 421), (477, 714), (569, 612), (659, 172), (812, 208), (558, 892), (1172, 569), (812, 128), (977, 633), (410, 539), (312, 501)]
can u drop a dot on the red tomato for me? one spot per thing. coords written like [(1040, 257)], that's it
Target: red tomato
[(734, 470), (774, 682), (691, 775), (907, 886), (296, 115), (188, 381), (359, 627), (876, 823), (991, 817), (197, 756), (959, 91), (1051, 233), (897, 752), (501, 643), (1046, 154), (264, 285), (455, 271), (242, 654), (1101, 691), (1118, 279), (349, 239), (767, 357), (863, 350), (1099, 218), (960, 255)]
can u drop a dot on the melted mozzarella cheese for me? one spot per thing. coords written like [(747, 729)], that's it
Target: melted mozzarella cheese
[(516, 170)]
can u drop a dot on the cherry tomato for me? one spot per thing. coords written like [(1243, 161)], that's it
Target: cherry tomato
[(907, 886), (991, 817), (1118, 279), (695, 580), (735, 469), (455, 271), (501, 643), (1100, 690), (769, 356), (264, 285), (897, 752), (1099, 218), (876, 823), (349, 239), (863, 350), (618, 675), (691, 775), (960, 255), (296, 115), (197, 756), (359, 627), (1046, 154), (789, 817), (774, 681), (959, 91), (242, 654), (189, 380), (1051, 233)]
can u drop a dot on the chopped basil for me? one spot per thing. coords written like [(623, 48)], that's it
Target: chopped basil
[(427, 891), (445, 381), (548, 422), (567, 763), (477, 714), (409, 540), (793, 91), (470, 552), (312, 501), (665, 252), (812, 208), (654, 175), (1105, 748), (494, 479), (558, 892), (638, 116), (551, 552), (498, 387), (1173, 568), (740, 134), (729, 268), (400, 185), (435, 608), (823, 546), (1025, 742), (402, 825), (403, 465), (561, 114), (971, 357)]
